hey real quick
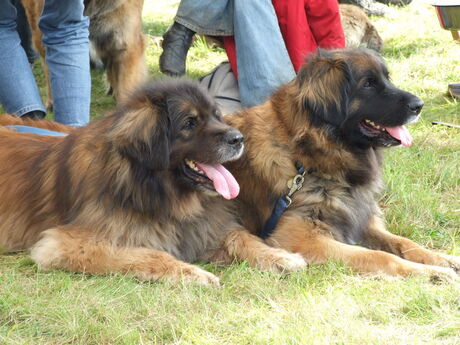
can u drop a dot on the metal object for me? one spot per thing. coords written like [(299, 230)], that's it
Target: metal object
[(448, 12), (294, 185), (445, 124)]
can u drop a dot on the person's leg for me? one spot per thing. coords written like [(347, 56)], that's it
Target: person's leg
[(19, 94), (65, 35), (262, 59), (206, 17)]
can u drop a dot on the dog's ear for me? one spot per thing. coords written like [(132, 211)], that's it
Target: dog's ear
[(324, 86), (142, 136)]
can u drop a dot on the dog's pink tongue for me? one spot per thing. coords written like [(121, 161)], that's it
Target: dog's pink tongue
[(224, 182), (401, 133)]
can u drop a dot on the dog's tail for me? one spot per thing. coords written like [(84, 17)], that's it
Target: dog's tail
[(8, 120)]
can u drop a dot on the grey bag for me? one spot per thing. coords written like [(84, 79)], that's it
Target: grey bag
[(222, 85)]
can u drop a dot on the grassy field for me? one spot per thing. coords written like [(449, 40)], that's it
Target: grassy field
[(325, 304)]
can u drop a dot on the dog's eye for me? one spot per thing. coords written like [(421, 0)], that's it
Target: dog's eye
[(369, 83), (190, 123)]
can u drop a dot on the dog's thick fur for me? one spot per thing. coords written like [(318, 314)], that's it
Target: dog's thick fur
[(115, 34), (359, 30), (316, 120), (114, 196)]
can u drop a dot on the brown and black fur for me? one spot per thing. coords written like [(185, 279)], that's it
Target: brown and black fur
[(115, 33), (113, 196), (314, 120)]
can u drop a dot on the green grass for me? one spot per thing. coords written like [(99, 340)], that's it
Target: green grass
[(325, 304)]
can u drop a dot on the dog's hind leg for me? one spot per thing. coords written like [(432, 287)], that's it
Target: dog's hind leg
[(129, 70), (125, 62), (131, 66), (377, 237), (313, 242), (75, 249), (241, 245)]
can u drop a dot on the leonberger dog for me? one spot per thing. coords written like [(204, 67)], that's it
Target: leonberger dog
[(140, 191), (326, 129), (358, 29), (116, 37)]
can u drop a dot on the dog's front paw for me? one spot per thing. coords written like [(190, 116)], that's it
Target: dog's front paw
[(194, 274), (437, 273), (452, 262), (280, 260)]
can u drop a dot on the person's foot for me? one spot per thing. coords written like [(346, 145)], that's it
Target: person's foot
[(395, 2), (370, 7), (34, 115), (176, 43)]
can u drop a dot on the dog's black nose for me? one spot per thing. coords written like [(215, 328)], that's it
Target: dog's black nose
[(415, 105), (234, 138)]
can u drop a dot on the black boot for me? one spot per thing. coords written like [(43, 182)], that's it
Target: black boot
[(34, 115), (176, 43)]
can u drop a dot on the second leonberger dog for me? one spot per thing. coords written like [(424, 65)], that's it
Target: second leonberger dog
[(140, 191), (328, 126)]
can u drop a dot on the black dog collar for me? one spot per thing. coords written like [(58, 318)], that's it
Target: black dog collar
[(284, 202)]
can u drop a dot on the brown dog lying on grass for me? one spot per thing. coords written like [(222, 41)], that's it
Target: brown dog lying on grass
[(330, 124), (140, 191)]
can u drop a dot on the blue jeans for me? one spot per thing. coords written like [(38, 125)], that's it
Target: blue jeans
[(207, 17), (65, 36), (262, 58)]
